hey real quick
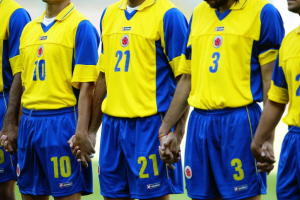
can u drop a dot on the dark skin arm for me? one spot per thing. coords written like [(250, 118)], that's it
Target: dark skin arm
[(176, 115), (265, 132), (85, 148), (10, 125), (81, 137)]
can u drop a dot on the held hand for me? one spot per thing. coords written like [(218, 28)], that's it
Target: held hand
[(169, 149), (8, 139), (82, 146), (264, 155)]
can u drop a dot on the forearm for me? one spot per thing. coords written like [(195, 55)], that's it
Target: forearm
[(181, 124), (84, 107), (266, 71), (98, 97), (13, 109), (178, 105), (270, 118)]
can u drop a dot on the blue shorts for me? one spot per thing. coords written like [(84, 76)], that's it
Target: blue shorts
[(218, 159), (129, 163), (288, 176), (46, 163), (8, 162)]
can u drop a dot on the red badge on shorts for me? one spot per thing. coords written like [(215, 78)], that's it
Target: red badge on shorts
[(188, 172), (18, 171), (125, 41), (218, 42)]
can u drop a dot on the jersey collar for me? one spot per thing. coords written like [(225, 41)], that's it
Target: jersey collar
[(145, 4), (239, 5), (64, 14)]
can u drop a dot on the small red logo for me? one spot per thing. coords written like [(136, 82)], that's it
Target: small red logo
[(218, 41), (40, 51), (125, 41), (18, 171), (188, 172)]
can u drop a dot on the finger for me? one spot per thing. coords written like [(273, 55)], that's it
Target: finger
[(265, 167), (171, 166), (84, 162)]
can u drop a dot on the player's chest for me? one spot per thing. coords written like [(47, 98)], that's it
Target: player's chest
[(291, 61), (136, 25)]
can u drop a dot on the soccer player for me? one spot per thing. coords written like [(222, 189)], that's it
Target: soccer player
[(230, 55), (59, 55), (13, 18), (142, 40), (285, 88)]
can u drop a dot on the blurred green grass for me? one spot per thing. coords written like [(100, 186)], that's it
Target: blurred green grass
[(96, 196)]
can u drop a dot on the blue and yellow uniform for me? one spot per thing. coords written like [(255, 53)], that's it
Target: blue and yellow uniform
[(224, 55), (13, 18), (140, 58), (55, 60), (285, 88)]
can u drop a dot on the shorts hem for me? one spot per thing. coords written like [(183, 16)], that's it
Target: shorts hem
[(139, 196), (245, 196), (115, 195), (7, 180), (27, 192), (82, 192)]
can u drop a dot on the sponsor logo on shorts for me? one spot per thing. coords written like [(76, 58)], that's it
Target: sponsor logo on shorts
[(18, 170), (153, 186), (2, 170), (218, 40), (240, 188), (65, 185), (188, 172), (125, 41)]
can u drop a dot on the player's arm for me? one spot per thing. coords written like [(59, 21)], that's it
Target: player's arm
[(262, 144), (84, 77), (98, 98), (10, 125), (176, 47)]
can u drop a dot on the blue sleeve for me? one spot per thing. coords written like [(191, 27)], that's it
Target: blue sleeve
[(187, 49), (272, 30), (17, 22), (86, 45), (175, 29), (278, 76)]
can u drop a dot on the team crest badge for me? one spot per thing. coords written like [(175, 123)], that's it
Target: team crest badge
[(18, 171), (218, 42), (188, 172), (125, 41), (40, 51)]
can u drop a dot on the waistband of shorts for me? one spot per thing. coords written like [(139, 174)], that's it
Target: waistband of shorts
[(29, 112), (294, 129), (225, 110)]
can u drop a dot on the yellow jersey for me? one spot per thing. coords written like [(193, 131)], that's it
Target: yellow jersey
[(140, 57), (225, 52), (13, 18), (56, 59), (285, 85)]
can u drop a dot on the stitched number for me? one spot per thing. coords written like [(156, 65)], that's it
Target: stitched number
[(144, 162), (237, 164), (216, 56), (119, 55), (40, 67), (298, 90), (2, 159), (64, 166)]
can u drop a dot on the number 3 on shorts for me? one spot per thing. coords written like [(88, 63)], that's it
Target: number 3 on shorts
[(237, 164)]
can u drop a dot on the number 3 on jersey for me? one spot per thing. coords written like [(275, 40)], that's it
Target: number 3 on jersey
[(216, 57), (119, 55)]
